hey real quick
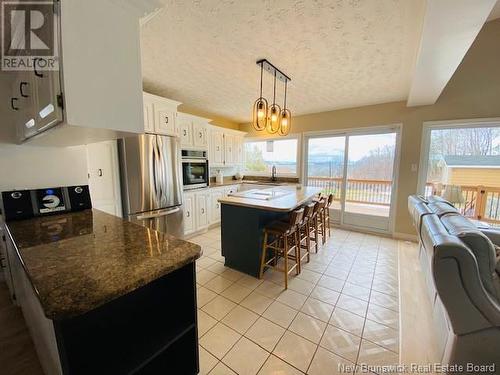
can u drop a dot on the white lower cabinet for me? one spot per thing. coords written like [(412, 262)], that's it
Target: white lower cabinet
[(189, 214), (201, 211), (202, 208), (215, 206), (196, 211)]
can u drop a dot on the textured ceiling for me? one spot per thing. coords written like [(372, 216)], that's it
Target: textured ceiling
[(339, 53)]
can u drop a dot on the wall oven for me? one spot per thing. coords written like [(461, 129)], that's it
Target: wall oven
[(194, 169)]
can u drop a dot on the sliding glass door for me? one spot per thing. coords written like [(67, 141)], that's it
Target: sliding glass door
[(358, 169), (325, 168)]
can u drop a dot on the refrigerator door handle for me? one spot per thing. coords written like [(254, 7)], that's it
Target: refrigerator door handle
[(156, 168), (159, 214), (161, 170)]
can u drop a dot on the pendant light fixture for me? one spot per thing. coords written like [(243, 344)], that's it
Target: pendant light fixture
[(273, 122), (260, 107), (271, 118), (285, 118)]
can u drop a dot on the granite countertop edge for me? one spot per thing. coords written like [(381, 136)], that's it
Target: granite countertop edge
[(56, 313), (53, 310)]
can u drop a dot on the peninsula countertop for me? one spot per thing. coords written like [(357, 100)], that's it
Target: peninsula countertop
[(82, 260), (290, 199)]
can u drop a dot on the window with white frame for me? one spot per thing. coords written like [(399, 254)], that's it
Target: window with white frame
[(261, 155)]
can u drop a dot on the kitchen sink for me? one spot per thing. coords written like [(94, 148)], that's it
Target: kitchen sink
[(267, 194)]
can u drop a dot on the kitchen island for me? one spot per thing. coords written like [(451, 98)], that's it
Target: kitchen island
[(244, 216), (102, 295)]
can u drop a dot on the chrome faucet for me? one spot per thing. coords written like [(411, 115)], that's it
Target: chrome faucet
[(273, 174)]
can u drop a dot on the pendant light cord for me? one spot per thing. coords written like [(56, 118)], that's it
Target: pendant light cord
[(284, 104), (261, 70), (274, 91)]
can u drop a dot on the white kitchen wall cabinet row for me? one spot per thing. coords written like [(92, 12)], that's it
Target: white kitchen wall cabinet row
[(202, 208), (96, 94), (225, 147)]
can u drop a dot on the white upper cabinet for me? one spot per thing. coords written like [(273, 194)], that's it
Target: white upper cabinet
[(216, 151), (96, 95), (200, 134), (162, 115), (185, 129), (149, 120), (165, 120), (225, 146), (193, 131)]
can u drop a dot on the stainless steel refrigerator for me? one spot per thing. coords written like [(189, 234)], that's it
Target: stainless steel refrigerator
[(151, 182)]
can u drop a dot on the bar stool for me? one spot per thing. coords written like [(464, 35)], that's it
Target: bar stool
[(320, 219), (313, 225), (327, 214), (284, 244), (304, 234)]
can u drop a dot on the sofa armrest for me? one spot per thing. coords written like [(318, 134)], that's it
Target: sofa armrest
[(456, 275)]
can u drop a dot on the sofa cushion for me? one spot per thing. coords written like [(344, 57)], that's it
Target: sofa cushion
[(438, 199), (482, 248), (442, 208)]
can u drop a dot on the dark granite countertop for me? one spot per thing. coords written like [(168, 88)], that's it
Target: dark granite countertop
[(79, 261)]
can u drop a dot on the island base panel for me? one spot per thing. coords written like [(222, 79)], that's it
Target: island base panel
[(149, 330), (242, 236)]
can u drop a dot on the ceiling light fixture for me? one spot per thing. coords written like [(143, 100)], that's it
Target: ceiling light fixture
[(285, 117), (259, 118), (273, 122), (271, 118)]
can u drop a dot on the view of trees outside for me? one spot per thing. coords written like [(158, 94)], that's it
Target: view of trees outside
[(370, 156), (262, 155), (369, 167), (465, 141)]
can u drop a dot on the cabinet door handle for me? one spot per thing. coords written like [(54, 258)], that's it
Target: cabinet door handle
[(188, 214), (21, 85), (99, 172), (184, 132), (12, 101), (200, 134), (202, 210), (218, 148), (217, 205), (166, 119), (37, 73)]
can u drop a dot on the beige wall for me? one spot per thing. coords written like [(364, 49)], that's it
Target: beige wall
[(473, 92)]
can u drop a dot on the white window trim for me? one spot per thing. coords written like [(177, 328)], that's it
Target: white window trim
[(299, 163), (429, 126)]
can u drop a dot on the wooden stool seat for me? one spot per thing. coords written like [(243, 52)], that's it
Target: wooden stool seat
[(279, 228)]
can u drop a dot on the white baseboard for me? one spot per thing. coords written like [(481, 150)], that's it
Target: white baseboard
[(405, 236)]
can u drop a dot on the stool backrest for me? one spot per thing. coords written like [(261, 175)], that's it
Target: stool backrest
[(308, 210), (316, 208), (296, 216), (322, 203), (330, 200)]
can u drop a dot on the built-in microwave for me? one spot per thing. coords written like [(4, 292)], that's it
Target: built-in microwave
[(195, 173)]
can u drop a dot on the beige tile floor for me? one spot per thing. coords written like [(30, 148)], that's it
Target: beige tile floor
[(342, 310)]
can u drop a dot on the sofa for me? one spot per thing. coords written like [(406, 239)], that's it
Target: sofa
[(460, 262)]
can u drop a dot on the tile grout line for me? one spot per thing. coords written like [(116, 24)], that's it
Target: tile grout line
[(315, 284)]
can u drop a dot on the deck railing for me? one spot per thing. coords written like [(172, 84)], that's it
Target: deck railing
[(481, 202), (357, 191)]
